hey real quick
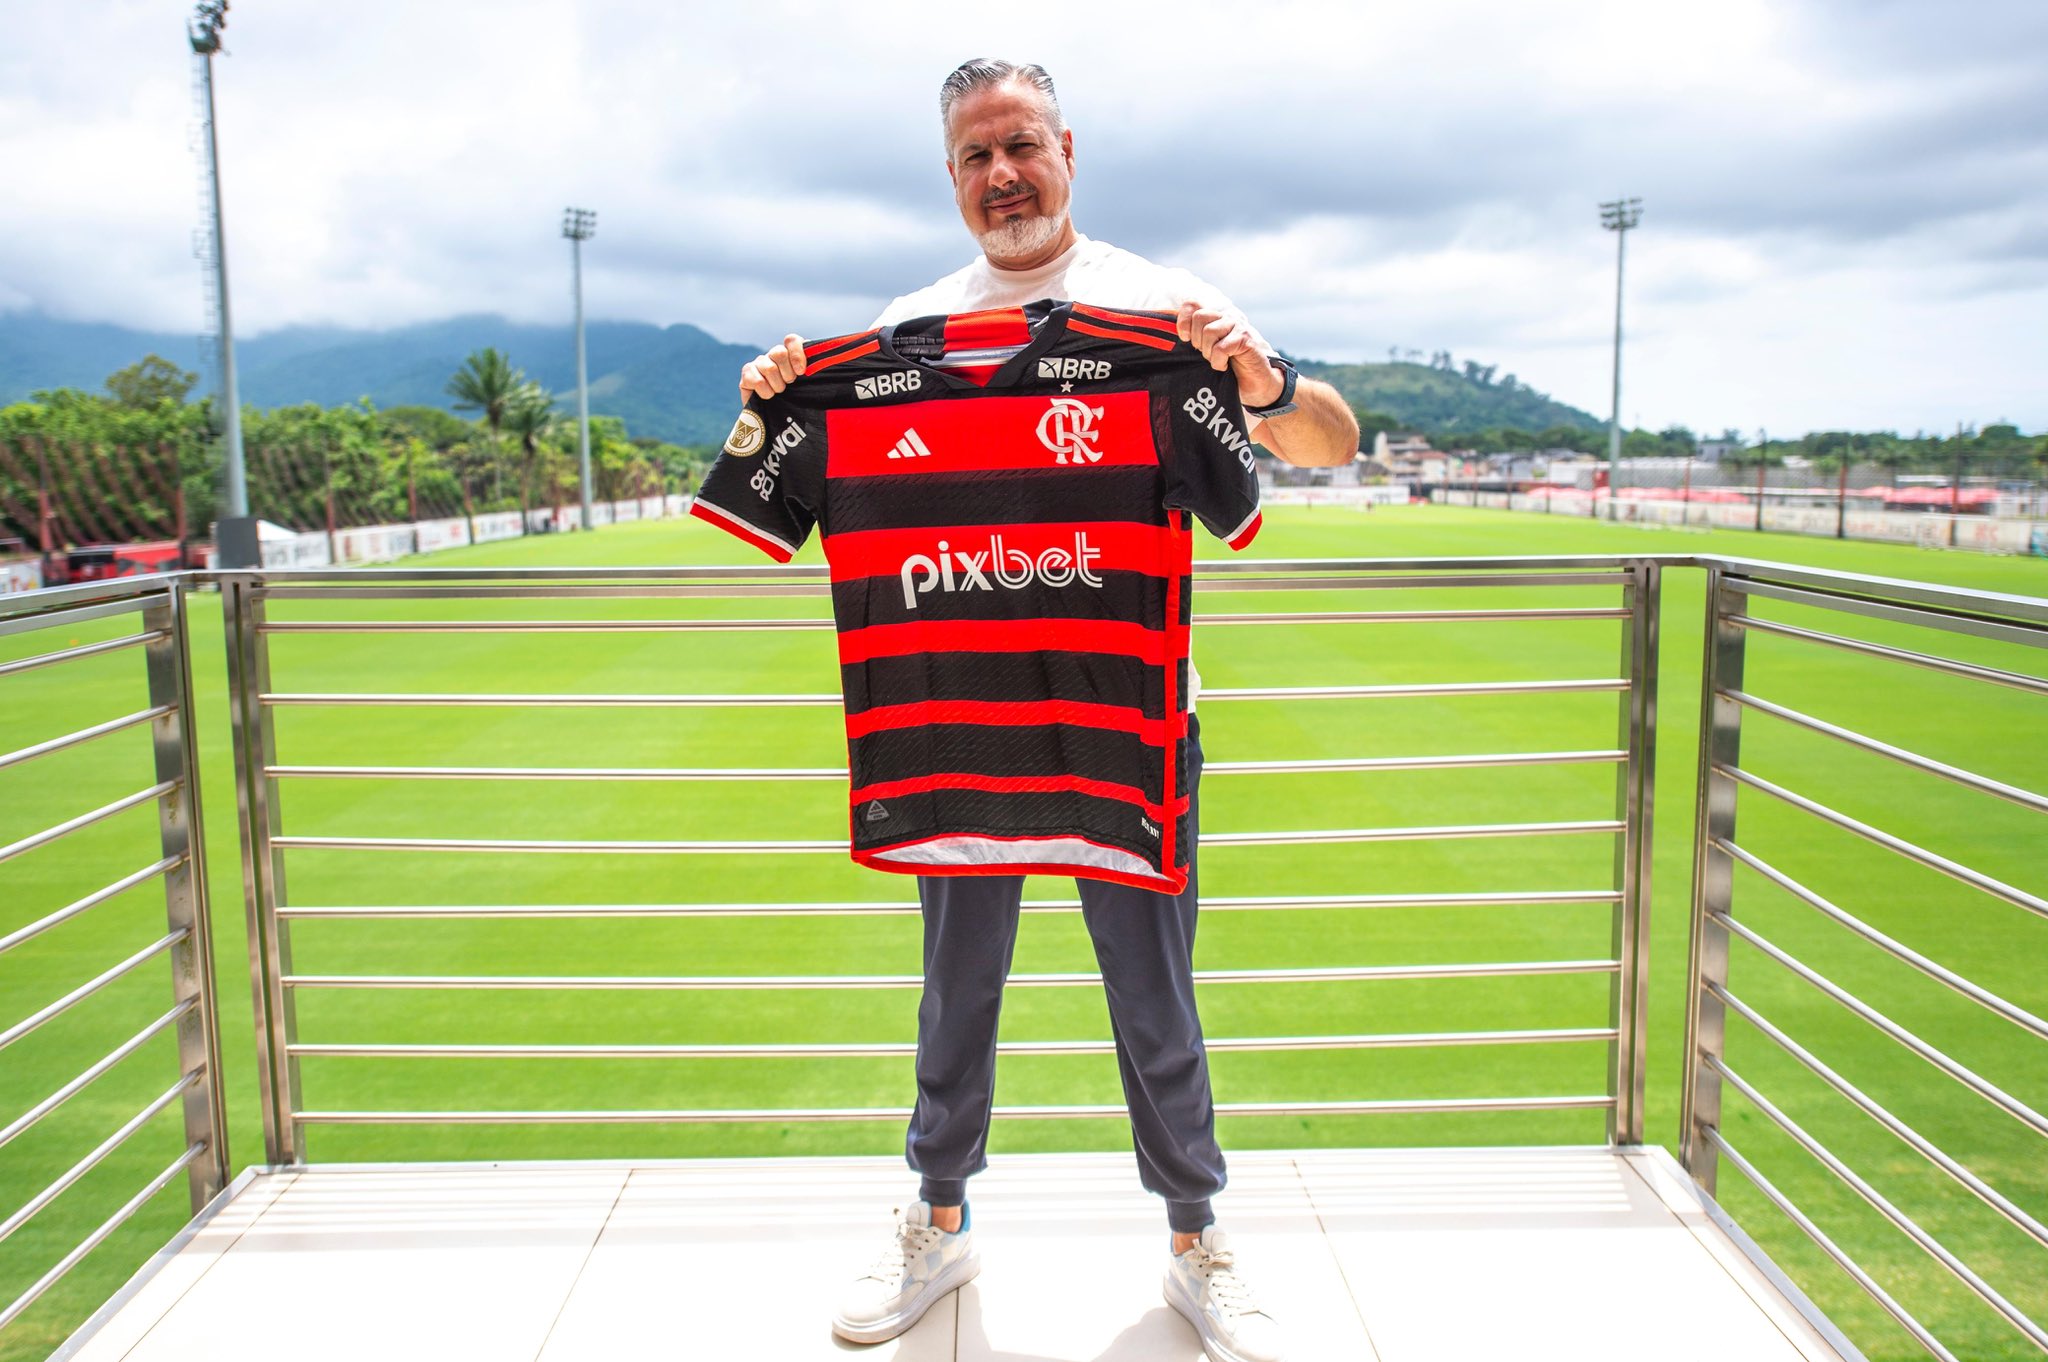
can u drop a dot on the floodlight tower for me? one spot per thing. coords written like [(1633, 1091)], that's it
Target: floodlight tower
[(1618, 217), (579, 225), (204, 32)]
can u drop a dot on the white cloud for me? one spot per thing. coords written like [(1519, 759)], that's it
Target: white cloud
[(1843, 199)]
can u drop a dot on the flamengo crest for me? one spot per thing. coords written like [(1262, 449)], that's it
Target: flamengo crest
[(1068, 429)]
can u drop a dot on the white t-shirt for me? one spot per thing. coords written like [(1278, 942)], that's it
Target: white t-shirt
[(1089, 271)]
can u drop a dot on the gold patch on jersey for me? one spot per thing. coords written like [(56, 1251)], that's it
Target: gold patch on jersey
[(749, 433)]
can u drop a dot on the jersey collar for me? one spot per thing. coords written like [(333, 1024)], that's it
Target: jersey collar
[(1046, 318)]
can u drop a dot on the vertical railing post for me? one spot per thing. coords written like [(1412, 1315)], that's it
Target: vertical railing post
[(1634, 798), (262, 865), (1713, 879), (169, 663)]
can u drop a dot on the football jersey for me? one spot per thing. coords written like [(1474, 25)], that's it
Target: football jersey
[(1010, 551)]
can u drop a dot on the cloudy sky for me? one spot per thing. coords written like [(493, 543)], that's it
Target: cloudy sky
[(1846, 201)]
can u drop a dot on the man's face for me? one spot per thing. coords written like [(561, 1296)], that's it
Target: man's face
[(1012, 177)]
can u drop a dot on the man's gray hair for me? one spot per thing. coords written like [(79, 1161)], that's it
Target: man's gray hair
[(983, 72)]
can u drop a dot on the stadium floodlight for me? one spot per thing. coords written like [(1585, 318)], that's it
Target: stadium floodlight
[(237, 544), (579, 225), (1618, 216)]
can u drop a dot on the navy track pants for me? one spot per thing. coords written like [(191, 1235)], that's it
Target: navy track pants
[(1145, 943)]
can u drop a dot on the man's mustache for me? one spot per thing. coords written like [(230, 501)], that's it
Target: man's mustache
[(1008, 192)]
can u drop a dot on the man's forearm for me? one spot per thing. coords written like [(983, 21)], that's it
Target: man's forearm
[(1320, 433)]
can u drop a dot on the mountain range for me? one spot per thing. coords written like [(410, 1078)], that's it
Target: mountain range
[(675, 383)]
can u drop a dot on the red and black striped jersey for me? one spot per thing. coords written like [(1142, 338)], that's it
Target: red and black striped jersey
[(1010, 555)]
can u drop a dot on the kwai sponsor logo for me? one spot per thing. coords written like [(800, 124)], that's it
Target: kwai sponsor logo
[(1205, 407), (791, 436), (998, 565)]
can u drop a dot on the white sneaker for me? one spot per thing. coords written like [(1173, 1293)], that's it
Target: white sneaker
[(921, 1264), (1204, 1286)]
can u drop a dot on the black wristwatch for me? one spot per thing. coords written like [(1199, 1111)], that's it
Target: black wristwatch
[(1284, 403)]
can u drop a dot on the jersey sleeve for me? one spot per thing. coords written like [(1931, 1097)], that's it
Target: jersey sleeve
[(766, 485), (1210, 468)]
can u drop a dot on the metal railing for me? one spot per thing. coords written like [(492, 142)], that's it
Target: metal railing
[(277, 982), (248, 600), (173, 790), (1727, 696)]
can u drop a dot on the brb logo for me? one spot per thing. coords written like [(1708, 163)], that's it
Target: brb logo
[(888, 385), (958, 570), (1066, 366), (1068, 430)]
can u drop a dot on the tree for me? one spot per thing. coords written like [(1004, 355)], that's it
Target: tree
[(529, 415), (485, 384), (1760, 456), (150, 380)]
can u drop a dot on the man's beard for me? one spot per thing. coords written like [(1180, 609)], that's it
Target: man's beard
[(1017, 238)]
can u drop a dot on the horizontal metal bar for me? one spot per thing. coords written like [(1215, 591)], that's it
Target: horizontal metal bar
[(727, 982), (91, 986), (1983, 784), (1968, 1077), (100, 1235), (820, 848), (1535, 898), (1905, 1224), (92, 1160), (1925, 593), (1448, 832), (1927, 1149), (112, 645), (777, 773), (272, 580), (1411, 616), (906, 1049), (1446, 762), (84, 614), (826, 700), (809, 581), (1945, 618), (791, 1115), (92, 900), (1455, 688), (1994, 675), (85, 820), (41, 749), (43, 599), (1205, 583), (106, 1062), (363, 698), (1898, 950), (509, 845), (746, 626), (1828, 1246), (1955, 870)]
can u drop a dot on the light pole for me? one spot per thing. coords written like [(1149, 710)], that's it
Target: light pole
[(235, 544), (579, 225), (1619, 217)]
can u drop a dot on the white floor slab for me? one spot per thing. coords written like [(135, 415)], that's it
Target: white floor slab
[(1365, 1255)]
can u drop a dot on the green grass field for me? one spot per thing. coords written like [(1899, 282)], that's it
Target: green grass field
[(2000, 733)]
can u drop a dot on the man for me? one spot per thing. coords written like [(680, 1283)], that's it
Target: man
[(1011, 160)]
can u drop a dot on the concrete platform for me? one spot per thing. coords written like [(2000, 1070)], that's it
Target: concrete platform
[(1433, 1255)]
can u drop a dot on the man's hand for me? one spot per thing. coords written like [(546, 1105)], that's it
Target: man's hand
[(767, 375), (1225, 338)]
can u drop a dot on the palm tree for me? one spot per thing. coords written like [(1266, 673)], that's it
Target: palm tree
[(529, 415), (1761, 457), (485, 384)]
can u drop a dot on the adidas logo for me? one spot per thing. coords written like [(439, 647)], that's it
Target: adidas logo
[(911, 446), (876, 813)]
